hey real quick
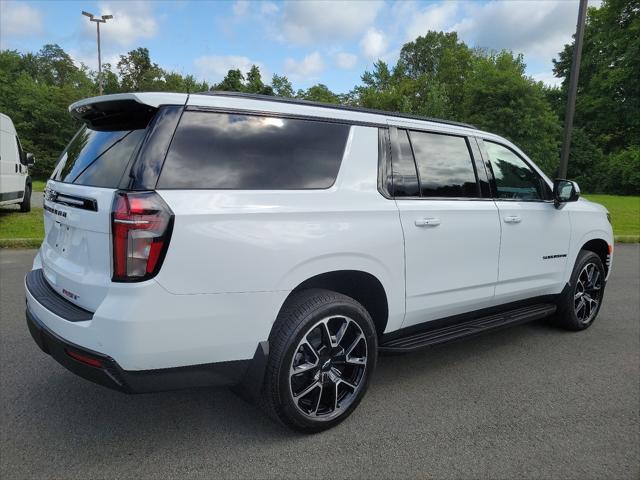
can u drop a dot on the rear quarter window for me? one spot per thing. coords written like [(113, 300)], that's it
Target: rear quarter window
[(97, 158), (212, 150)]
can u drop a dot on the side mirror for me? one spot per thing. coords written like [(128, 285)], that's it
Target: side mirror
[(565, 191), (29, 160)]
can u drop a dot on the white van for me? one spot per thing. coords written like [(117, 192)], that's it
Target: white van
[(15, 182)]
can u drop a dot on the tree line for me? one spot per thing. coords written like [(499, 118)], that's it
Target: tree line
[(436, 75)]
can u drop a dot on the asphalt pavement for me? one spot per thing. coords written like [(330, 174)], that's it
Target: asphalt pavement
[(528, 402)]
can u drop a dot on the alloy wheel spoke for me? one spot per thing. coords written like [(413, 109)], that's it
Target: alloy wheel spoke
[(308, 344), (326, 335), (340, 334), (307, 391), (302, 368), (348, 384), (361, 361), (353, 345), (315, 411), (335, 395)]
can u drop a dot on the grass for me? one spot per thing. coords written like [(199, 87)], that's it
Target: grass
[(38, 185), (21, 230), (26, 230), (625, 215)]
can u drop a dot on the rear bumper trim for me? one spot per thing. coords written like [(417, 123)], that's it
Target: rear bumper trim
[(46, 296), (129, 381)]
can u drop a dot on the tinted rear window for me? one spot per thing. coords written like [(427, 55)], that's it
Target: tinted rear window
[(445, 168), (97, 158), (213, 150)]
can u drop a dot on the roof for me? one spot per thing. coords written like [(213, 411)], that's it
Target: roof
[(156, 99), (333, 106), (6, 125)]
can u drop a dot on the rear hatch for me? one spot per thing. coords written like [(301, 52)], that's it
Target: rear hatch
[(76, 252)]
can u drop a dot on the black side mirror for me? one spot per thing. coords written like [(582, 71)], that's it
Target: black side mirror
[(565, 191), (29, 160)]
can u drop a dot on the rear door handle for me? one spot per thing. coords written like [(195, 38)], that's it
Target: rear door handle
[(428, 222), (512, 219)]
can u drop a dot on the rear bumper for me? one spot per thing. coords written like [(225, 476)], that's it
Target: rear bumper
[(111, 375)]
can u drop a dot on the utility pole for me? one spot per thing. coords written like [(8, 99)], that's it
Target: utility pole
[(573, 88), (98, 20)]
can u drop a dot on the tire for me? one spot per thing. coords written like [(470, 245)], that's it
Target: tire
[(303, 374), (25, 205), (581, 302)]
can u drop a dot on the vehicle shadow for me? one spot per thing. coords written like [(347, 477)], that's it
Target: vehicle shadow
[(71, 413)]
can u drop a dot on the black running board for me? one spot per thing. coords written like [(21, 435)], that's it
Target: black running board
[(467, 328)]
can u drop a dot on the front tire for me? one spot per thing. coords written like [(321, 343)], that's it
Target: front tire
[(579, 306), (323, 351), (25, 205)]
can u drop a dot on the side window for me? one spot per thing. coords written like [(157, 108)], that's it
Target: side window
[(514, 178), (236, 151), (405, 178), (445, 167), (20, 151)]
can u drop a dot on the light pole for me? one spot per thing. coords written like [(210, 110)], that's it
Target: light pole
[(573, 89), (98, 20)]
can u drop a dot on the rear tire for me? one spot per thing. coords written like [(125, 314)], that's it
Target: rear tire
[(580, 304), (25, 205), (323, 351)]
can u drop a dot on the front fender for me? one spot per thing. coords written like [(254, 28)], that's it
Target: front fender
[(599, 234)]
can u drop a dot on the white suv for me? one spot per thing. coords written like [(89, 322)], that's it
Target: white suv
[(279, 245)]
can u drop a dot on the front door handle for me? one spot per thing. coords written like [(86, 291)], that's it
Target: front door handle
[(428, 222), (512, 219)]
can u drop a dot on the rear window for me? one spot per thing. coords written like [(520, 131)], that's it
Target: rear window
[(445, 168), (213, 150), (97, 158)]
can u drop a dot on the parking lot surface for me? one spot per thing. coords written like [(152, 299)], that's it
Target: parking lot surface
[(528, 402)]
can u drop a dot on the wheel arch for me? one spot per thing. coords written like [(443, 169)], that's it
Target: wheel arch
[(362, 286), (600, 247)]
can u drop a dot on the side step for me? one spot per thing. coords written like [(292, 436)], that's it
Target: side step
[(467, 328)]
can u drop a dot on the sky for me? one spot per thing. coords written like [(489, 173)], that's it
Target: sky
[(310, 42)]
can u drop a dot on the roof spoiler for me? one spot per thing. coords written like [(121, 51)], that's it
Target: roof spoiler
[(123, 111)]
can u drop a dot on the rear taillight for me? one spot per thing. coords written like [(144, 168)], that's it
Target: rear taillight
[(141, 225)]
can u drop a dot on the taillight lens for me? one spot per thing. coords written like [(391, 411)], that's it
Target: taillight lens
[(141, 225)]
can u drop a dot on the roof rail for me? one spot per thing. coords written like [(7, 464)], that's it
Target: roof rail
[(297, 101)]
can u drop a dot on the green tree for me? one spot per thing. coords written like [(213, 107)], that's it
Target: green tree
[(138, 72), (110, 82), (254, 82), (36, 91), (232, 82), (282, 86), (608, 98), (423, 95), (500, 98), (622, 172), (587, 163), (318, 93), (440, 60)]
